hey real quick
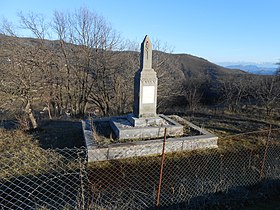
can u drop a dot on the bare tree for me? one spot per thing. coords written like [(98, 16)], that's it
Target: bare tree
[(193, 91), (267, 93), (86, 67), (123, 79), (87, 45), (28, 74), (34, 23), (46, 61), (234, 90), (19, 78), (167, 77), (8, 28)]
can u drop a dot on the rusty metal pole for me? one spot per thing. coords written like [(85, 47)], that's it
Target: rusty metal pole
[(161, 168)]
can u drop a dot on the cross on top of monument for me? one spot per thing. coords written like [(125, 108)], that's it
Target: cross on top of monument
[(146, 53)]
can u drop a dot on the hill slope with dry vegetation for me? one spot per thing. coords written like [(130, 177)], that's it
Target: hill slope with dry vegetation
[(73, 77), (90, 68)]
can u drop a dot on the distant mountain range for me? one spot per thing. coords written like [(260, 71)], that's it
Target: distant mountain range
[(254, 68)]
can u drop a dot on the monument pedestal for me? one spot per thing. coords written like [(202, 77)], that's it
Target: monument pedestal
[(145, 93), (145, 121), (124, 129)]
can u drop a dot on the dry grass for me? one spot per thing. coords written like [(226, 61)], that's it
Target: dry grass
[(20, 154), (237, 131), (42, 150)]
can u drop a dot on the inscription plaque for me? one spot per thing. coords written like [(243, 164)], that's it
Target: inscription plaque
[(148, 95)]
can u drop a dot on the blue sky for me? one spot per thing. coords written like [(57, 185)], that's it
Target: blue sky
[(217, 30)]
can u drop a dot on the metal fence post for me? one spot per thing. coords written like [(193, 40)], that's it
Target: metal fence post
[(161, 169)]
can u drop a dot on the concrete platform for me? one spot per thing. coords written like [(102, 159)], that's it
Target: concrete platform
[(148, 127), (205, 140)]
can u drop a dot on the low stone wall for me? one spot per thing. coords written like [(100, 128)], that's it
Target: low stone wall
[(151, 147)]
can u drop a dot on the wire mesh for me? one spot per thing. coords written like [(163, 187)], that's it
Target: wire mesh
[(189, 179), (62, 179), (54, 181)]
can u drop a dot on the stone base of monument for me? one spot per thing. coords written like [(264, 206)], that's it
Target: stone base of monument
[(159, 120), (130, 127), (198, 139)]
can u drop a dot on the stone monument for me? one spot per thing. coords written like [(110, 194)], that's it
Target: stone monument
[(144, 122), (144, 125), (145, 89), (145, 83)]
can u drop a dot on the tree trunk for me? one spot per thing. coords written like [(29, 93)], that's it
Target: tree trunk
[(31, 116), (49, 110)]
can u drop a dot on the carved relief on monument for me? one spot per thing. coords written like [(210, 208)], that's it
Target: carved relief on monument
[(146, 54), (148, 82), (147, 49)]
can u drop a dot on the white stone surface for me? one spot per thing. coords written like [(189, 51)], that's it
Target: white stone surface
[(148, 95)]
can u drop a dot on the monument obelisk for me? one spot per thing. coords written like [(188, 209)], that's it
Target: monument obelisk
[(145, 88), (144, 121), (145, 83)]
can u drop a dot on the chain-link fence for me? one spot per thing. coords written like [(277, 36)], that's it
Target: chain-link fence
[(62, 179), (188, 180), (47, 179)]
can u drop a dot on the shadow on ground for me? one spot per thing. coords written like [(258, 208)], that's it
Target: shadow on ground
[(60, 134)]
